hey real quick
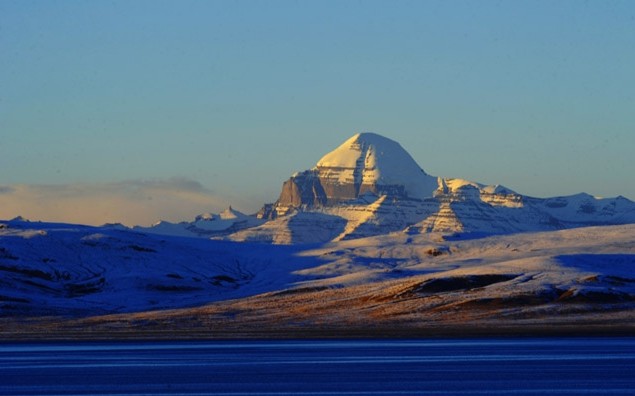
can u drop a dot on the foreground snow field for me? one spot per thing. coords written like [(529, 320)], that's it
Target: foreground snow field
[(63, 274)]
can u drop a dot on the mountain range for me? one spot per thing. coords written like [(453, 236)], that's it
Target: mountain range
[(371, 186), (366, 243)]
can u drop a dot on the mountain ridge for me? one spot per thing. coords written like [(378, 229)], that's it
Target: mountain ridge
[(362, 183), (369, 185)]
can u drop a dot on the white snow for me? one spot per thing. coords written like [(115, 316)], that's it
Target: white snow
[(205, 225), (370, 158), (50, 269)]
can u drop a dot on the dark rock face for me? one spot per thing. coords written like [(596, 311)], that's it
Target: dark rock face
[(311, 190), (337, 192), (304, 189)]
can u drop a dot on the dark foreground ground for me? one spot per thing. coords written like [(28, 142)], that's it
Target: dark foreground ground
[(125, 327)]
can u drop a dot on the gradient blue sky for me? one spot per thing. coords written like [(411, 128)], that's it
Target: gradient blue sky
[(229, 98)]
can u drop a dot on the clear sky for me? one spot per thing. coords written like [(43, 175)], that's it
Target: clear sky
[(136, 110)]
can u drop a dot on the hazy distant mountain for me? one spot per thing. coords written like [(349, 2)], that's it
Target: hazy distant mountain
[(205, 225)]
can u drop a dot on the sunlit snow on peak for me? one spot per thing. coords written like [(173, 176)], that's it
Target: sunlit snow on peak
[(372, 159)]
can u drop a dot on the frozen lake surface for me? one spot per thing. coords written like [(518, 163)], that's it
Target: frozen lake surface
[(592, 366)]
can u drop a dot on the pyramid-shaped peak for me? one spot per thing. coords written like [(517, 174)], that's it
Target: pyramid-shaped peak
[(230, 213), (372, 138), (369, 159), (368, 144), (365, 164)]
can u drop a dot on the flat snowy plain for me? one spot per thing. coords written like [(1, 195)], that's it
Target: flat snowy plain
[(530, 366)]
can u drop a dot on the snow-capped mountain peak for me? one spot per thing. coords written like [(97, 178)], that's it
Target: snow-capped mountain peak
[(347, 155), (230, 213), (365, 164), (227, 214), (375, 163)]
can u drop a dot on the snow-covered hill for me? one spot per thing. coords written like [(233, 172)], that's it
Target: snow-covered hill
[(66, 269), (398, 281)]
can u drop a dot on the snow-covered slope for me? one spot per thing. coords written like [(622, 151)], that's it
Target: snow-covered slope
[(295, 228), (66, 269), (396, 280)]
